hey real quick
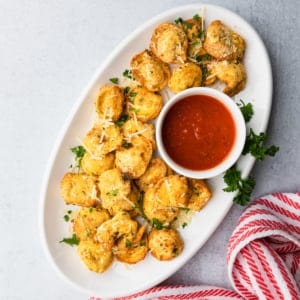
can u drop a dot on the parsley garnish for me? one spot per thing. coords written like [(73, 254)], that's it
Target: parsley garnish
[(114, 80), (246, 109), (113, 192), (126, 145), (128, 243), (235, 182), (132, 96), (127, 73), (142, 244), (71, 241), (66, 218), (126, 90), (204, 57), (157, 224), (178, 20), (184, 225), (122, 120), (79, 152), (196, 17), (201, 35), (255, 147), (205, 73), (134, 109)]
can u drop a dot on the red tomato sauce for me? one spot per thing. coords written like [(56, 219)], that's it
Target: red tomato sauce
[(198, 132)]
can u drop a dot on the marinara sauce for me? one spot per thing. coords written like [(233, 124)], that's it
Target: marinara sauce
[(198, 132)]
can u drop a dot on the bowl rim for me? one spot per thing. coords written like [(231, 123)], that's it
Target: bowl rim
[(237, 147)]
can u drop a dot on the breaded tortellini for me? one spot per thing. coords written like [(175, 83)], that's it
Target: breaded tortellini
[(102, 139), (232, 74), (111, 230), (200, 194), (87, 220), (154, 210), (79, 189), (157, 169), (150, 71), (165, 244), (95, 257), (169, 43), (185, 76), (172, 191), (115, 191), (144, 104), (133, 159), (130, 248), (97, 165), (222, 43), (109, 102)]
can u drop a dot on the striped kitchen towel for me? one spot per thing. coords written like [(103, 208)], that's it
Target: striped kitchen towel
[(263, 256)]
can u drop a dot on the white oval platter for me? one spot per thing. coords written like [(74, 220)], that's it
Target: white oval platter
[(121, 279)]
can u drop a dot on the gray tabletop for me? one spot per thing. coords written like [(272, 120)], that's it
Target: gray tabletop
[(49, 50)]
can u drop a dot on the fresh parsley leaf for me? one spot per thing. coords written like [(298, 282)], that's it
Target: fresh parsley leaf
[(114, 80), (202, 35), (196, 17), (246, 109), (254, 146), (134, 109), (142, 244), (178, 20), (184, 225), (128, 243), (66, 218), (204, 57), (126, 90), (71, 241), (127, 73), (205, 73), (79, 152), (157, 224), (132, 96), (243, 187), (122, 120)]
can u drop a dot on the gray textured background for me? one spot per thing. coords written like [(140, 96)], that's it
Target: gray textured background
[(48, 52)]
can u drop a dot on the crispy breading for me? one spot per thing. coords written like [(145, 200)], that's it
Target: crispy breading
[(109, 102), (79, 189), (135, 157), (223, 43), (185, 76), (145, 105), (169, 43), (150, 71), (165, 244), (200, 194), (96, 166)]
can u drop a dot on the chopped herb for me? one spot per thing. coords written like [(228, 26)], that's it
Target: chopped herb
[(142, 244), (127, 73), (91, 209), (79, 152), (204, 57), (196, 17), (114, 80), (122, 120), (205, 73), (69, 212), (113, 192), (254, 146), (128, 243), (187, 25), (202, 35), (126, 145), (126, 90), (235, 182), (157, 224), (132, 96), (178, 20), (134, 109), (139, 206), (71, 241), (186, 209), (246, 109), (184, 225), (66, 218)]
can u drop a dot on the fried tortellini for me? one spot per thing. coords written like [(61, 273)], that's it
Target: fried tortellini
[(150, 71), (169, 43), (185, 76), (97, 165), (222, 43)]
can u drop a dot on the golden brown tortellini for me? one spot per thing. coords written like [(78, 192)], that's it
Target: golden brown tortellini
[(169, 43), (144, 104), (79, 189), (94, 256), (222, 43), (102, 139), (200, 194), (165, 244), (133, 159), (149, 71), (87, 220), (109, 103), (185, 76), (97, 165)]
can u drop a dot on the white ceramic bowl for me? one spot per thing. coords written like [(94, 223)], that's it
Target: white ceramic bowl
[(238, 144)]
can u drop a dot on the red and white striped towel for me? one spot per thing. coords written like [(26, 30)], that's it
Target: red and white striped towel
[(263, 256)]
